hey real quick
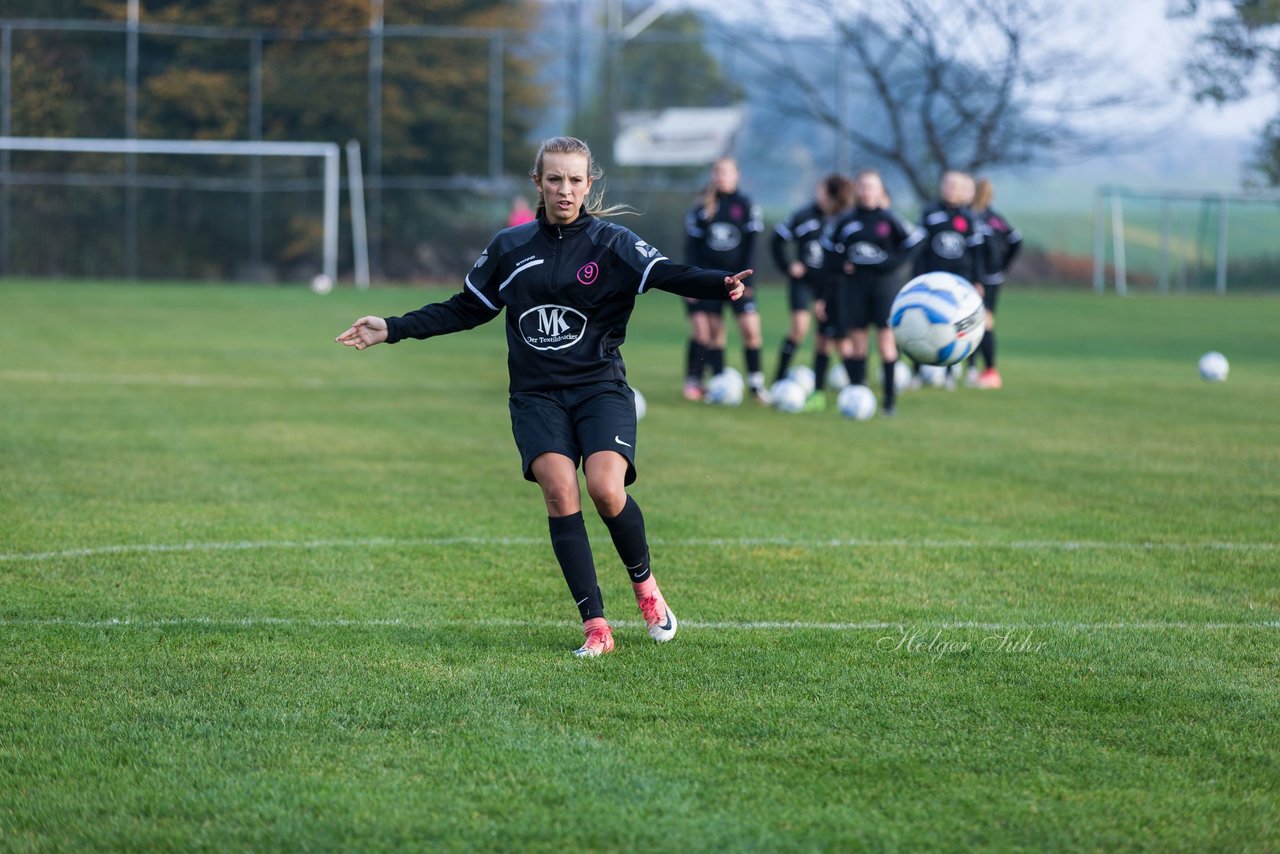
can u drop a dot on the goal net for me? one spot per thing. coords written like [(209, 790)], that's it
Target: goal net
[(1185, 242), (169, 209)]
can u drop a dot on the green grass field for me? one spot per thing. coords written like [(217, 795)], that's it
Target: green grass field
[(258, 591)]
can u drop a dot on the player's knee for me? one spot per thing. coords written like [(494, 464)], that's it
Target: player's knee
[(561, 496), (609, 496)]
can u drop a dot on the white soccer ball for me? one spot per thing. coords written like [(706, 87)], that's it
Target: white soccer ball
[(937, 319), (837, 376), (803, 374), (857, 402), (1214, 367), (788, 396), (901, 377), (734, 374), (641, 406), (933, 376), (321, 284), (725, 389)]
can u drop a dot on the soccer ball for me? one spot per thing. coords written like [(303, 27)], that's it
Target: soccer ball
[(803, 375), (1214, 367), (857, 402), (641, 406), (901, 377), (321, 284), (937, 319), (933, 376), (725, 389), (788, 396), (837, 376)]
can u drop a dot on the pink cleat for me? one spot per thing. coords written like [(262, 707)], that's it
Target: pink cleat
[(657, 616), (990, 378), (599, 638)]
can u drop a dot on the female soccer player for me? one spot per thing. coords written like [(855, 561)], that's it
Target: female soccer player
[(953, 238), (870, 243), (804, 270), (569, 282), (720, 233), (1002, 242)]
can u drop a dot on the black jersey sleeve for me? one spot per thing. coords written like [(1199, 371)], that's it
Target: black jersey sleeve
[(653, 270), (688, 281), (479, 301)]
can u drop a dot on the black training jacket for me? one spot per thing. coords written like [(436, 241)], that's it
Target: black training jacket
[(875, 240), (804, 229), (953, 243), (727, 240), (1003, 242), (568, 291)]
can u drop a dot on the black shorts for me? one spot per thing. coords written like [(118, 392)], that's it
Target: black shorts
[(866, 303), (800, 294), (746, 305), (990, 293), (576, 422), (830, 328)]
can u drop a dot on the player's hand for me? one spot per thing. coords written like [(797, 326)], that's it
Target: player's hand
[(796, 270), (364, 333), (735, 285), (849, 268)]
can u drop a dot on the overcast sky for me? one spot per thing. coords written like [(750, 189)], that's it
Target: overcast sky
[(1153, 48)]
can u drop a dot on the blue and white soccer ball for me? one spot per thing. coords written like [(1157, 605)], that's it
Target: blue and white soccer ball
[(803, 374), (788, 395), (857, 402), (837, 376), (937, 319), (1214, 367), (641, 406), (725, 389)]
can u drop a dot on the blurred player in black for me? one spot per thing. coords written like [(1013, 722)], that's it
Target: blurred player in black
[(868, 246), (797, 251), (721, 230), (954, 237), (1002, 242), (569, 282)]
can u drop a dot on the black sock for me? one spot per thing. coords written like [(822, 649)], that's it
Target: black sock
[(890, 390), (753, 359), (627, 530), (573, 550), (988, 348), (820, 364), (715, 358), (857, 369), (973, 357), (693, 361), (784, 357)]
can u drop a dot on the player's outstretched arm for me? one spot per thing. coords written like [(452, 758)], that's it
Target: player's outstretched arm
[(364, 333)]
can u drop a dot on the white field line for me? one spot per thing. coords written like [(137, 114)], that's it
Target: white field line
[(721, 625), (696, 542)]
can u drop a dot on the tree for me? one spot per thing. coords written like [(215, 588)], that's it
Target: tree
[(933, 85), (1237, 53)]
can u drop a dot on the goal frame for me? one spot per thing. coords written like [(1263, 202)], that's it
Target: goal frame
[(328, 152)]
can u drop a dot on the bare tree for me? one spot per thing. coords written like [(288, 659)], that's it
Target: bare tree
[(924, 86)]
